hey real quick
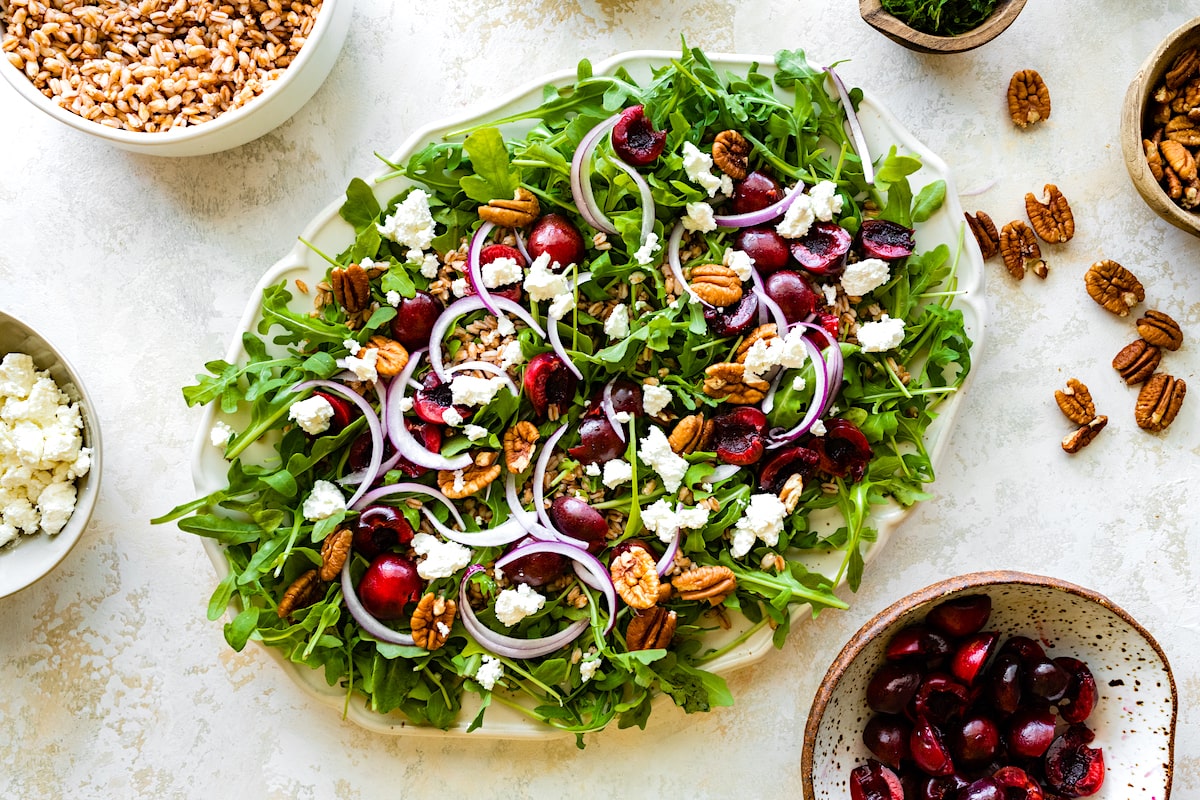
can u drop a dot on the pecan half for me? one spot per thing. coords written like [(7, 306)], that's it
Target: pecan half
[(1158, 402), (351, 287), (522, 210), (1076, 402), (304, 591), (716, 285), (1114, 287), (1137, 361), (519, 443), (1171, 184), (650, 630), (984, 231), (1180, 159), (763, 333), (392, 357), (790, 492), (1153, 158), (713, 584), (1020, 250), (728, 381), (1080, 438), (1052, 220), (459, 483), (1182, 68), (1028, 98), (432, 620), (1183, 130), (334, 552), (1160, 330), (687, 435), (635, 577), (731, 154)]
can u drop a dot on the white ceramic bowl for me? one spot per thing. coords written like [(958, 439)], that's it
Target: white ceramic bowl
[(264, 113), (35, 556), (1134, 718)]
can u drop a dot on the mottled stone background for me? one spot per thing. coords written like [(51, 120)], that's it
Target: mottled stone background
[(113, 684)]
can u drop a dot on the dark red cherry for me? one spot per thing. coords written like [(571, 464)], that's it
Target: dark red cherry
[(630, 544), (598, 442), (793, 293), (388, 586), (1046, 680), (938, 788), (878, 238), (886, 736), (755, 192), (1017, 784), (435, 398), (1030, 731), (961, 616), (733, 320), (427, 434), (823, 250), (634, 139), (763, 244), (919, 643), (738, 435), (971, 655), (874, 781), (929, 751), (380, 529), (343, 412), (415, 318), (829, 323), (975, 741), (1024, 648), (940, 699), (359, 455), (549, 381), (626, 396), (893, 686), (577, 519), (844, 450), (1072, 768), (982, 789), (780, 467), (558, 237), (1079, 699), (1003, 683), (536, 569)]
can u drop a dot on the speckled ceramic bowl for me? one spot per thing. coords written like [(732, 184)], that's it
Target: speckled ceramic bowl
[(1134, 718)]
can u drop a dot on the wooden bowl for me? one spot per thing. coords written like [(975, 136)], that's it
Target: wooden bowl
[(874, 15), (1133, 124), (1135, 713)]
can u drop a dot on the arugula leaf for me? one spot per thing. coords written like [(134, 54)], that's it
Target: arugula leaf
[(494, 177), (361, 209)]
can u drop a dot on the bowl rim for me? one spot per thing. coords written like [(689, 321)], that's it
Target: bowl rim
[(1001, 18), (176, 136), (873, 627), (86, 501)]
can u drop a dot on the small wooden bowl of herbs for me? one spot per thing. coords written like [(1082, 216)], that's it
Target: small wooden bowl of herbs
[(940, 26)]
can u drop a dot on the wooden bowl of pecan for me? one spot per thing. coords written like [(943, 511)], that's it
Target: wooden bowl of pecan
[(900, 32), (1160, 129)]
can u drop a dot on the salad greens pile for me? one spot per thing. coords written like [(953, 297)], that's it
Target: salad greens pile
[(941, 17), (797, 129)]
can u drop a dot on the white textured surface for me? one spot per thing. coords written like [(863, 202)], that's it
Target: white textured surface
[(138, 268)]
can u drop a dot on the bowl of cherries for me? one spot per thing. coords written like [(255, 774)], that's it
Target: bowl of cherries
[(994, 686)]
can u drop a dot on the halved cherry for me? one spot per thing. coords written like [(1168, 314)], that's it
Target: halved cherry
[(961, 616), (634, 138), (1014, 781), (598, 442), (1030, 731), (798, 460), (1003, 683), (738, 435), (886, 736), (929, 751), (549, 381), (427, 434), (626, 396), (893, 686), (494, 252), (735, 319), (793, 293), (823, 250), (971, 656), (343, 412), (919, 643), (939, 699), (380, 529), (1078, 701), (878, 238), (1072, 768), (435, 398), (844, 450), (874, 781)]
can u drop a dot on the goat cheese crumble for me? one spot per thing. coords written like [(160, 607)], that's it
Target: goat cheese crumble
[(762, 520), (441, 559), (798, 218), (467, 390), (542, 283), (698, 166), (885, 334), (501, 272), (220, 433), (616, 472), (411, 224), (865, 276), (364, 366), (825, 200), (312, 415), (740, 262), (323, 502), (514, 605), (645, 253), (475, 432), (490, 671), (666, 521), (617, 324), (656, 452), (655, 399), (699, 218)]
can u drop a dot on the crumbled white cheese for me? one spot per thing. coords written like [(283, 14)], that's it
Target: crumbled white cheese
[(460, 480), (656, 452), (312, 414), (364, 366), (645, 253), (324, 501), (798, 218), (623, 417), (655, 399), (406, 404), (818, 428), (442, 628), (864, 276), (798, 383), (616, 472), (830, 293), (699, 218), (511, 354), (504, 325), (698, 166), (617, 324), (411, 225), (475, 432), (451, 417), (502, 272), (426, 262), (353, 346), (441, 559), (220, 433), (740, 262), (393, 298), (788, 352), (542, 283), (489, 672), (826, 202), (459, 287), (514, 605), (588, 667), (592, 469), (726, 185), (665, 521), (562, 305), (876, 337), (467, 390), (762, 520)]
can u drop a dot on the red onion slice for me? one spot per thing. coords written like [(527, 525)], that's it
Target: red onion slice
[(364, 618), (560, 351), (409, 488), (474, 273), (505, 533), (583, 560), (768, 403), (722, 472), (610, 413), (668, 558), (465, 306), (647, 198), (581, 181), (763, 215), (521, 246), (675, 264), (781, 323), (526, 519), (510, 646), (820, 401), (373, 424), (856, 131), (486, 366), (539, 477), (404, 442)]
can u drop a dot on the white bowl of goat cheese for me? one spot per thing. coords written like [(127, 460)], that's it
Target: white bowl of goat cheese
[(50, 456)]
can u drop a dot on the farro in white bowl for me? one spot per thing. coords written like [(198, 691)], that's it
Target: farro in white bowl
[(171, 77)]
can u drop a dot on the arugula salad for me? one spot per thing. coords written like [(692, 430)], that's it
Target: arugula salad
[(567, 420)]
